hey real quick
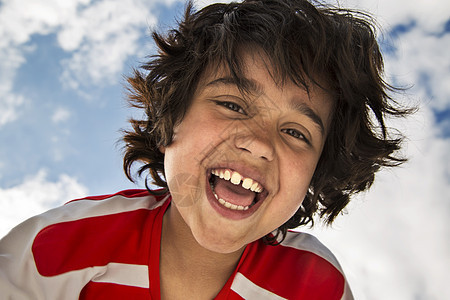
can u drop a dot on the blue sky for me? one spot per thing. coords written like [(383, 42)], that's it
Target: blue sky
[(62, 106)]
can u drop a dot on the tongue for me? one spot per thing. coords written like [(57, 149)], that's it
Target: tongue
[(234, 194)]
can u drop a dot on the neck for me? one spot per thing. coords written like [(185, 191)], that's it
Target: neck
[(189, 265)]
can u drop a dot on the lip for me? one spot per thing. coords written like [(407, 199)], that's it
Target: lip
[(229, 213)]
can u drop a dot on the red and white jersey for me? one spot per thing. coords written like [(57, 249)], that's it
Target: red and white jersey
[(108, 247)]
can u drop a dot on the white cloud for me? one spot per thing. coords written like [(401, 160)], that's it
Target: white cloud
[(10, 102), (19, 20), (60, 115), (202, 3), (423, 59), (429, 15), (35, 195), (421, 54), (102, 36)]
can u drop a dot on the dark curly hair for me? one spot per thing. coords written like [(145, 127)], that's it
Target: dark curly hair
[(304, 41)]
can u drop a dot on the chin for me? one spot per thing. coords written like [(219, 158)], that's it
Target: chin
[(220, 245)]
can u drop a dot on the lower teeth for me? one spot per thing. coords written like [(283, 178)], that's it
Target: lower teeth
[(228, 204)]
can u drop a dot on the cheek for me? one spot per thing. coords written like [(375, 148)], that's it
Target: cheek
[(182, 175), (301, 166), (185, 189), (298, 175)]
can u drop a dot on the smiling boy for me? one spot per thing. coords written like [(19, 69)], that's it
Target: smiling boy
[(259, 115), (276, 152)]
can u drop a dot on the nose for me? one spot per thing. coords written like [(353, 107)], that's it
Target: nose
[(258, 145)]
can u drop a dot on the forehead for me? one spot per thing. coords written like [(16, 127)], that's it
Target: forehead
[(254, 71), (246, 62)]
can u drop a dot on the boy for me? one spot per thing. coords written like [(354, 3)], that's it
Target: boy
[(258, 115)]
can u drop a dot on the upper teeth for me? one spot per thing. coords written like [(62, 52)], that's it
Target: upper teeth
[(236, 178)]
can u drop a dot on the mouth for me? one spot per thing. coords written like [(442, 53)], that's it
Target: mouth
[(234, 191)]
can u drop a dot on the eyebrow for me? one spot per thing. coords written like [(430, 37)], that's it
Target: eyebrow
[(308, 112), (254, 87)]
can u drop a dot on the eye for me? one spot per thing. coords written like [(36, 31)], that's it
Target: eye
[(232, 106), (296, 134)]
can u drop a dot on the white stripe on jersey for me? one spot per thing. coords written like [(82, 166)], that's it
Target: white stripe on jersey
[(248, 290), (124, 274)]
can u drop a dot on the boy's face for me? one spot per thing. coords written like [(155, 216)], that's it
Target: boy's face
[(265, 143)]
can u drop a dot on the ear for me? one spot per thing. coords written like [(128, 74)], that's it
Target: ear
[(162, 149)]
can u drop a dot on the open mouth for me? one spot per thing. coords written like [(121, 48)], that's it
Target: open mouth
[(234, 191)]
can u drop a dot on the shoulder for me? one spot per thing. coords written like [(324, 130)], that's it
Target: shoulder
[(71, 239), (300, 267), (299, 248), (306, 243), (94, 228), (84, 209)]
